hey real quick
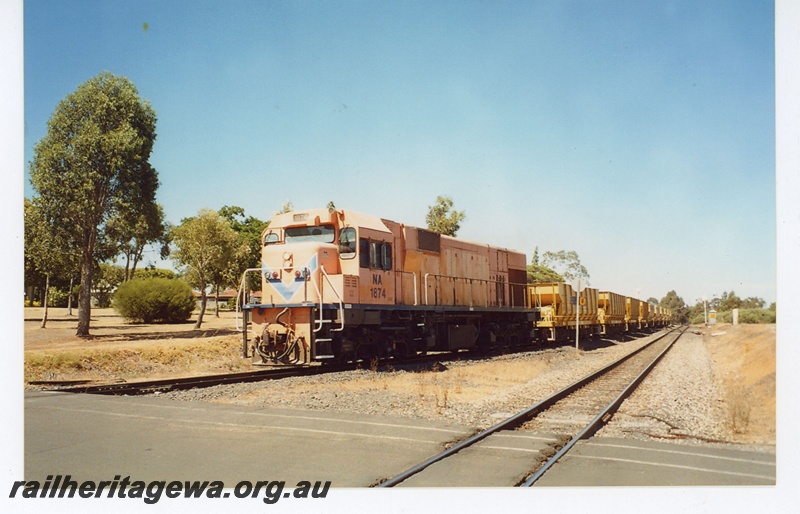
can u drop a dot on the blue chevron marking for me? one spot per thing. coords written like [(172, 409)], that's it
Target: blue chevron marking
[(288, 291)]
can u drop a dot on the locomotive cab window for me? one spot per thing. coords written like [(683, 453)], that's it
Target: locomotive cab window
[(321, 234), (270, 238), (347, 243), (375, 254)]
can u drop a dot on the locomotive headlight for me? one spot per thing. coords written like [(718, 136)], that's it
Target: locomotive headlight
[(274, 274), (287, 260)]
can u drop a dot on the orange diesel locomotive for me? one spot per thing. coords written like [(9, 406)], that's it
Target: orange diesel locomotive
[(338, 285)]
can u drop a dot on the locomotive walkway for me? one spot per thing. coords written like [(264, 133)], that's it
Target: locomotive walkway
[(97, 437)]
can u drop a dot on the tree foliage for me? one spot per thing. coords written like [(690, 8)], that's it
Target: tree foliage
[(130, 234), (751, 309), (106, 278), (442, 218), (286, 207), (248, 230), (48, 254), (92, 166), (206, 245), (676, 305), (565, 263), (538, 274)]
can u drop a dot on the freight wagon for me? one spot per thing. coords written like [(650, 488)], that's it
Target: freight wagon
[(611, 312)]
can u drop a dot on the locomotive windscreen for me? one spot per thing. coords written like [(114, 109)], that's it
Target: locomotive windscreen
[(323, 234)]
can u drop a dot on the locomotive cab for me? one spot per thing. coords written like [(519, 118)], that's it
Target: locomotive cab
[(313, 263)]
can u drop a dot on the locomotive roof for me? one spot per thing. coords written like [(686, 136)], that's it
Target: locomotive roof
[(325, 216)]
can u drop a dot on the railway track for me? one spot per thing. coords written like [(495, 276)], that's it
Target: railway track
[(173, 384), (573, 413)]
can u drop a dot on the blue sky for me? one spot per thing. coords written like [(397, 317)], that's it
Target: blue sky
[(639, 134)]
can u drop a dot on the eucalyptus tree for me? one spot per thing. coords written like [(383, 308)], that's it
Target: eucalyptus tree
[(93, 165), (205, 244), (248, 230), (47, 253), (442, 218), (565, 263), (131, 234), (680, 311)]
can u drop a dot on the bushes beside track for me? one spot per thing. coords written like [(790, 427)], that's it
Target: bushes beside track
[(154, 299), (749, 316)]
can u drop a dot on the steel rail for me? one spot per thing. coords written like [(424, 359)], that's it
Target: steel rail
[(517, 419), (146, 387), (601, 418), (174, 384)]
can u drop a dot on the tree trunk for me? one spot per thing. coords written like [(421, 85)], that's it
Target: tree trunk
[(203, 299), (216, 301), (69, 297), (46, 299), (137, 256), (85, 298)]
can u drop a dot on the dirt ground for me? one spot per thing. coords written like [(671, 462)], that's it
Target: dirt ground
[(117, 350), (743, 355), (744, 359), (108, 329)]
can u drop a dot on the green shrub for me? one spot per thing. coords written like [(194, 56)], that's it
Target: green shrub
[(751, 316), (698, 319), (57, 298), (154, 299)]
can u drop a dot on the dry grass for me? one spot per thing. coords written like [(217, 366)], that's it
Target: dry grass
[(744, 359), (739, 409), (121, 351), (218, 355)]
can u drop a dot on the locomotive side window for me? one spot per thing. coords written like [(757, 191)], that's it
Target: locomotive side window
[(347, 243), (270, 238), (386, 256), (363, 252), (375, 254)]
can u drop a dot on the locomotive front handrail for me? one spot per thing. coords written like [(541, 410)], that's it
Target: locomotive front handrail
[(242, 292), (341, 303)]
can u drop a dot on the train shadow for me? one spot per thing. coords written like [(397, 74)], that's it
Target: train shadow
[(606, 341), (166, 334)]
